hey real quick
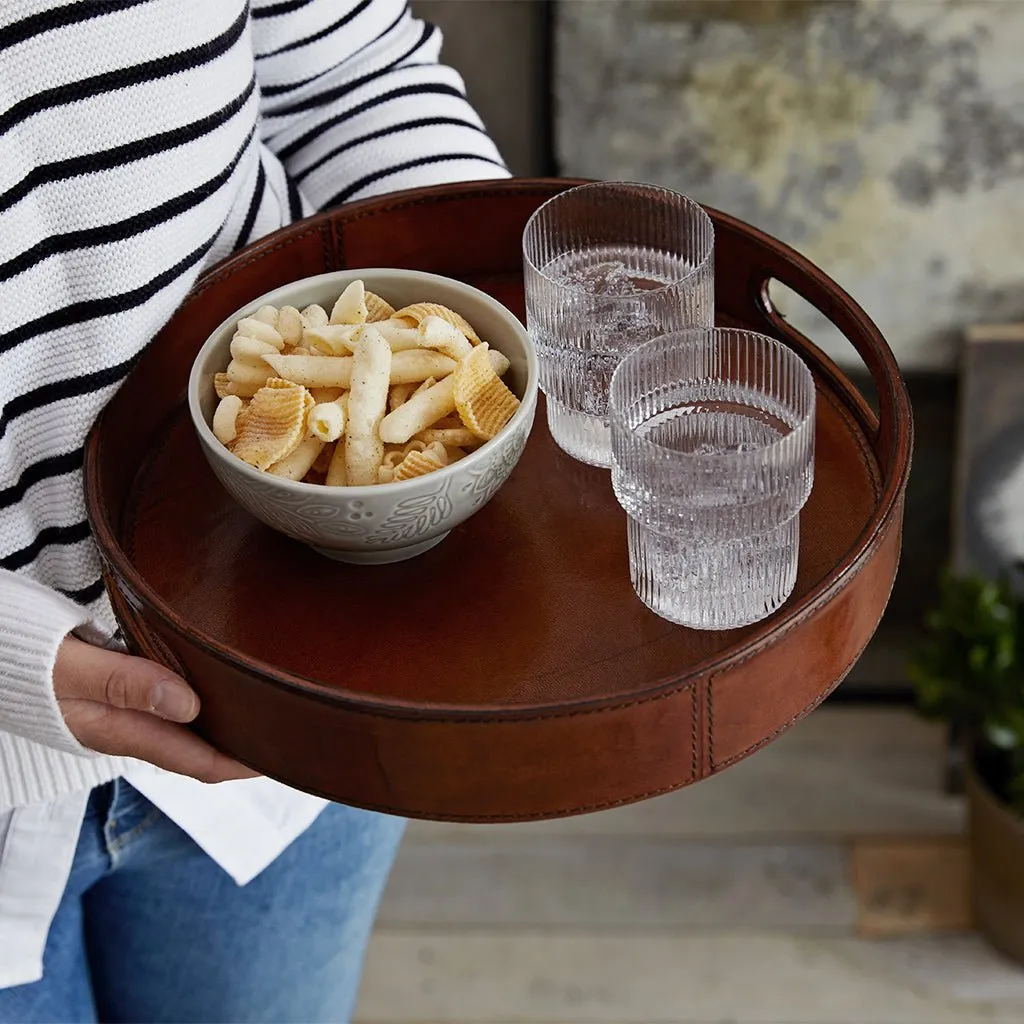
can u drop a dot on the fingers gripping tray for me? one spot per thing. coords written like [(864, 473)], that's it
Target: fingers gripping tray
[(509, 673)]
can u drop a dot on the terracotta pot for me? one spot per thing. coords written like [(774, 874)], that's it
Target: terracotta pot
[(997, 868)]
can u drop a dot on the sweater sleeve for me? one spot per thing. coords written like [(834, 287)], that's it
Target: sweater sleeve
[(355, 103), (33, 622)]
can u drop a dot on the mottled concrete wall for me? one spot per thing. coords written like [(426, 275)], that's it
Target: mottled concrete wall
[(882, 138)]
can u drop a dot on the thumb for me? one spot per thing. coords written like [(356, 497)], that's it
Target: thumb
[(84, 672)]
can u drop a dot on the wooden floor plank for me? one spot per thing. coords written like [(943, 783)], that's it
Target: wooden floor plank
[(911, 886), (627, 883), (961, 968), (683, 979)]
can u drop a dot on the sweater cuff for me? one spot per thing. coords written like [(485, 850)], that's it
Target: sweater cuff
[(34, 620)]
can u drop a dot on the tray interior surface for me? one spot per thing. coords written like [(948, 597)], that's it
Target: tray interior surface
[(528, 603)]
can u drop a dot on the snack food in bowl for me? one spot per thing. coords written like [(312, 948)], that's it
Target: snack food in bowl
[(365, 413)]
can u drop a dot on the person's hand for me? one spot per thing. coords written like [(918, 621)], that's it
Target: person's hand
[(130, 707)]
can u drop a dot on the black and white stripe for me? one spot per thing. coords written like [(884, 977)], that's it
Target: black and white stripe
[(125, 170)]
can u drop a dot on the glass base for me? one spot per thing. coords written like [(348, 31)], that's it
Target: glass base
[(706, 585), (584, 437)]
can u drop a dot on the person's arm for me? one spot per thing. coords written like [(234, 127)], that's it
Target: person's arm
[(61, 688), (34, 621), (355, 103)]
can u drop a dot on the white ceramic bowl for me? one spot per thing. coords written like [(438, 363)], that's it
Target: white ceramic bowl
[(390, 522)]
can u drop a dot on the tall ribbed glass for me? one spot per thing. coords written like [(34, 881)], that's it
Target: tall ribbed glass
[(713, 459), (607, 267)]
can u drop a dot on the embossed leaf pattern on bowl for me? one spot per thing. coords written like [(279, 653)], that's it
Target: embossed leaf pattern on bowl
[(300, 516), (380, 524), (415, 517), (484, 482)]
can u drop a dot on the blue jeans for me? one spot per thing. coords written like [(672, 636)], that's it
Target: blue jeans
[(151, 929)]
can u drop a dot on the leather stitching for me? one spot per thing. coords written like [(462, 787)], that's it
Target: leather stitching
[(800, 714), (867, 456), (447, 198), (167, 656), (339, 244), (328, 246), (711, 723), (765, 740), (695, 714)]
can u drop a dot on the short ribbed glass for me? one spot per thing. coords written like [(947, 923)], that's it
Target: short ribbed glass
[(607, 267), (712, 459)]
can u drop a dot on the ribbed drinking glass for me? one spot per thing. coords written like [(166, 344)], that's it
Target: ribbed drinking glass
[(713, 459), (608, 266)]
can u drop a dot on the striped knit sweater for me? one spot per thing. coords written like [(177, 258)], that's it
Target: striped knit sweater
[(141, 141)]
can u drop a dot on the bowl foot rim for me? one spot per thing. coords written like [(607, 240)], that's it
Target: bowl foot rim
[(380, 557)]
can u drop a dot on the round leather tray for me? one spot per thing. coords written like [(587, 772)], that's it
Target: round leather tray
[(511, 672)]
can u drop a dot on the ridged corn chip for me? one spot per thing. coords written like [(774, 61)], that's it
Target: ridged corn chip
[(377, 308), (432, 458), (273, 425), (482, 399), (419, 311)]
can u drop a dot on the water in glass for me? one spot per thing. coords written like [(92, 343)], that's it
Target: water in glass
[(607, 267), (713, 460), (579, 352)]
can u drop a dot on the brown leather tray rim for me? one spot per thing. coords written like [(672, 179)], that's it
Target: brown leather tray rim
[(567, 754)]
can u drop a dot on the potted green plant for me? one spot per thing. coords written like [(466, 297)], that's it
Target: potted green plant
[(970, 672)]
